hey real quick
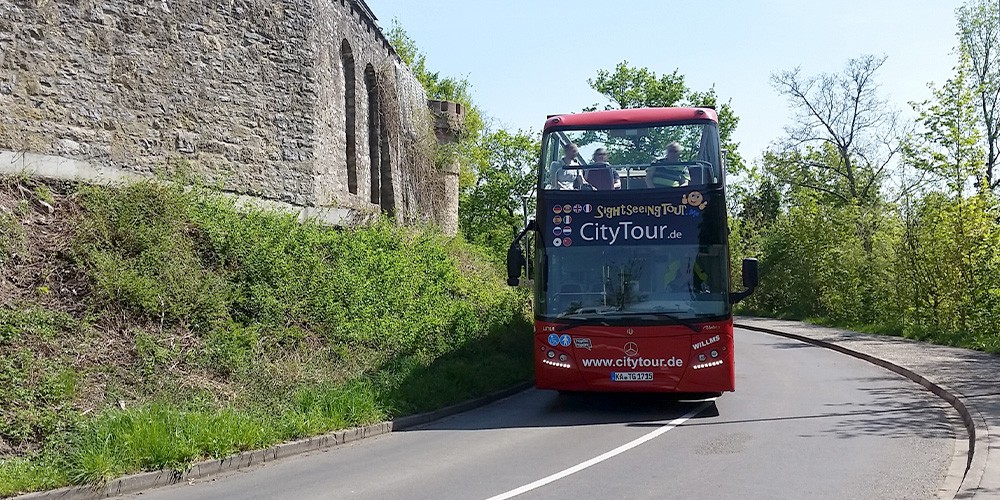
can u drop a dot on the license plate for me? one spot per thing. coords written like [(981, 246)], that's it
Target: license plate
[(631, 376)]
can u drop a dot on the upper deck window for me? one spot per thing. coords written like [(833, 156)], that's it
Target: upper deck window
[(663, 156)]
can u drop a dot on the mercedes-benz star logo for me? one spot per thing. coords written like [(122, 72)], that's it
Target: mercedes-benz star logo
[(631, 349)]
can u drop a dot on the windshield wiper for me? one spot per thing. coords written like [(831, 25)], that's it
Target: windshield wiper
[(668, 316), (575, 322)]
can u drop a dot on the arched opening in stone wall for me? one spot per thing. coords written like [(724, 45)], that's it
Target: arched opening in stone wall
[(374, 146), (347, 61), (387, 114)]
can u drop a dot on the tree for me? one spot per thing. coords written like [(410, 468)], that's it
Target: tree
[(844, 135), (497, 167), (979, 41), (835, 158), (629, 87), (947, 228), (491, 209), (948, 144), (436, 86)]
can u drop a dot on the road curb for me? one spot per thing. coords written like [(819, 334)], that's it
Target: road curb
[(407, 422), (967, 467), (135, 483)]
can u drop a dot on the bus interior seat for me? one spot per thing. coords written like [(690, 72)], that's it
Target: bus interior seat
[(600, 178), (637, 182), (697, 173)]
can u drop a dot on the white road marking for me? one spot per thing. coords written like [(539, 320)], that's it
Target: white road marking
[(598, 459)]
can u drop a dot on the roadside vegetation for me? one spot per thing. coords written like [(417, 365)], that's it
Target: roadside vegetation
[(147, 327), (864, 220)]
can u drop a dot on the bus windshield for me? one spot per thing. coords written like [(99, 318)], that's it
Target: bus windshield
[(636, 282), (631, 158)]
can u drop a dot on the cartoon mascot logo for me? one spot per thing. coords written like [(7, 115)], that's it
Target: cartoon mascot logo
[(695, 199)]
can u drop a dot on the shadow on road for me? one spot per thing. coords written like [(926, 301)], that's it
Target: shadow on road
[(884, 411), (536, 409)]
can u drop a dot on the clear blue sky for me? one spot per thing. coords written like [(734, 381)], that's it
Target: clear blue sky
[(529, 58)]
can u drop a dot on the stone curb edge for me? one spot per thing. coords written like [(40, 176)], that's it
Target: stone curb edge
[(955, 485), (403, 423), (155, 479)]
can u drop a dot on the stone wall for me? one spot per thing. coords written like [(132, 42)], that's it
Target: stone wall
[(299, 101)]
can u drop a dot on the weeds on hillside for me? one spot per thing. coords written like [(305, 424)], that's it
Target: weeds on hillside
[(205, 331), (11, 236)]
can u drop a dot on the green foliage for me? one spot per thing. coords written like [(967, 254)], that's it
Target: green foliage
[(22, 474), (34, 388), (435, 85), (630, 87), (246, 329), (15, 323), (159, 436), (929, 271), (35, 385), (324, 408), (978, 29), (139, 250), (491, 210), (419, 383), (44, 193), (156, 437), (948, 266), (948, 146)]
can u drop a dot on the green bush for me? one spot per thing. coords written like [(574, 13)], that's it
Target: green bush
[(929, 269), (35, 387), (137, 247), (243, 329)]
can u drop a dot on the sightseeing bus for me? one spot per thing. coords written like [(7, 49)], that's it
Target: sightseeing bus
[(630, 254)]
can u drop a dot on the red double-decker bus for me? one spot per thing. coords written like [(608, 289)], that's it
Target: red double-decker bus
[(630, 254)]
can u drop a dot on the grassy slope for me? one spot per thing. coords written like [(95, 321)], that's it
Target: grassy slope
[(146, 327)]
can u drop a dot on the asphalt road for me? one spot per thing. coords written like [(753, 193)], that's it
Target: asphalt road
[(805, 422)]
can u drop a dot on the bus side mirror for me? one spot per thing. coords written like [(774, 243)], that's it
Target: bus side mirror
[(751, 276), (751, 279), (515, 257), (515, 261)]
